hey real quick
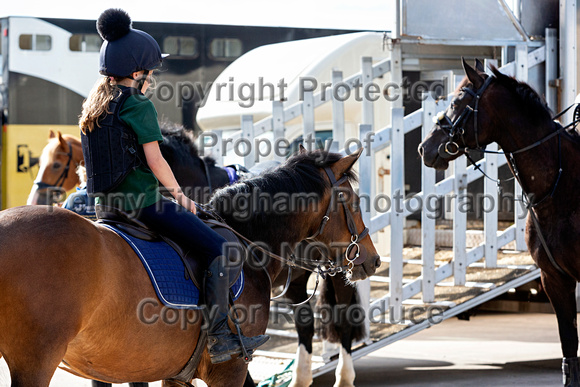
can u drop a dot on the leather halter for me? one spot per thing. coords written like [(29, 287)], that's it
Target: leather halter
[(64, 174)]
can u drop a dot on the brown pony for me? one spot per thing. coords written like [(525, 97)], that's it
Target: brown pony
[(57, 171), (73, 291), (543, 156)]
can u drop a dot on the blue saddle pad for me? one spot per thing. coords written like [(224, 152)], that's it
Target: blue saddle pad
[(167, 273)]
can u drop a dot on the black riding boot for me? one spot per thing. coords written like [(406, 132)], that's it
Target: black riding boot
[(222, 344), (571, 372)]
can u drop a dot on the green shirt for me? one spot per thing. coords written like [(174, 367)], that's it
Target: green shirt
[(140, 188)]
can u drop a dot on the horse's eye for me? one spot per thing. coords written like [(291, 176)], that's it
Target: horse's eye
[(56, 165)]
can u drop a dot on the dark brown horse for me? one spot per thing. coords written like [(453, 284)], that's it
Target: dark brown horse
[(543, 156), (97, 310)]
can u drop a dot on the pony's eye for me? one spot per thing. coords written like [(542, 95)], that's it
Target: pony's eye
[(56, 165)]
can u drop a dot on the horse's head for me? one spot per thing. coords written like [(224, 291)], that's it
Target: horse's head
[(309, 199), (462, 126), (338, 223), (57, 165)]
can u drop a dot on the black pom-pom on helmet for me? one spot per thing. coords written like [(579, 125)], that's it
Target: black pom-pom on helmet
[(125, 49)]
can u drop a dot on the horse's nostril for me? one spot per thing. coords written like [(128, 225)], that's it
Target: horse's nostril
[(420, 150), (378, 262)]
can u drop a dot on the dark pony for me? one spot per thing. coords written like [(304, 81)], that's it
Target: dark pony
[(337, 296), (199, 177), (544, 156)]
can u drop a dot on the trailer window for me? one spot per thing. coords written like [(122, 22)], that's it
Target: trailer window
[(43, 42), (85, 42), (184, 46), (35, 42), (225, 48), (25, 42)]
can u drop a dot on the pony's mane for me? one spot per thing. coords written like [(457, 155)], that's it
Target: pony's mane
[(300, 174), (531, 102), (179, 143)]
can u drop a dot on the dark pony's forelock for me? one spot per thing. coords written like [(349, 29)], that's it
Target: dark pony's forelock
[(179, 145)]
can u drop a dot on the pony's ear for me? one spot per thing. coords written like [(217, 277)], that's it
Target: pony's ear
[(51, 134), (472, 74), (479, 66), (345, 164), (302, 149), (62, 141)]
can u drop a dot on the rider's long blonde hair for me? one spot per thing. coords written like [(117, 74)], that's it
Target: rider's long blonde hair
[(97, 103)]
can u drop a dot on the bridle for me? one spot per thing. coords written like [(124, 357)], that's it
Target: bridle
[(353, 249), (322, 269), (64, 174), (455, 130)]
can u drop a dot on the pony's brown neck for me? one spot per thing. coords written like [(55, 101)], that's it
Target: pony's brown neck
[(281, 241)]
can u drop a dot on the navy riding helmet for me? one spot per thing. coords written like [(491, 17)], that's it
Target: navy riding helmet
[(125, 50)]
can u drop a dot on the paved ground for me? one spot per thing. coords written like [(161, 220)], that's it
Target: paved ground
[(492, 349), (500, 349)]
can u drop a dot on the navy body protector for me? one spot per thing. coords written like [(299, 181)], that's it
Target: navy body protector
[(111, 150)]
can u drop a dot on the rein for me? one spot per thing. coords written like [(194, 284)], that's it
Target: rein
[(451, 148)]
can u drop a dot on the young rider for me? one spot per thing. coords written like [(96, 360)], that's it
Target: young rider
[(120, 136)]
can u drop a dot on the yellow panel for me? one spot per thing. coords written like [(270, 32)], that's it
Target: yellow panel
[(22, 144)]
